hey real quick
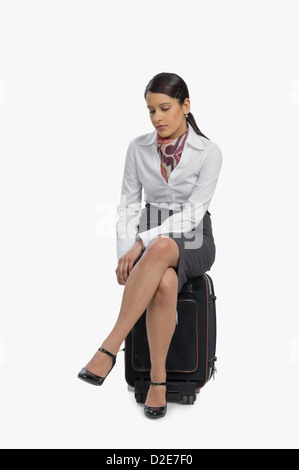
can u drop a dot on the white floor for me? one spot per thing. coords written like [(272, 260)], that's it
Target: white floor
[(53, 409)]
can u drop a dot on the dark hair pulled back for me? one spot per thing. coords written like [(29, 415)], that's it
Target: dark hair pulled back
[(174, 86)]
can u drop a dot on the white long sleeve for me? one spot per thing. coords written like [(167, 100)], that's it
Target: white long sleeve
[(129, 208)]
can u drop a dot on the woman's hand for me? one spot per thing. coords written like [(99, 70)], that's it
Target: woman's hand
[(126, 262)]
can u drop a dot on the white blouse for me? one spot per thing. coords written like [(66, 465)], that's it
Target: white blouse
[(190, 187)]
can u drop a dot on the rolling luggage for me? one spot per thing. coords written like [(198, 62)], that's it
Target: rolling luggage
[(191, 357)]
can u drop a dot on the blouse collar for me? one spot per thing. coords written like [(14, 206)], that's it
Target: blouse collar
[(192, 139)]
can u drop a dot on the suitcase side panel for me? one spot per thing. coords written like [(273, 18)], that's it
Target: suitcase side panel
[(197, 365)]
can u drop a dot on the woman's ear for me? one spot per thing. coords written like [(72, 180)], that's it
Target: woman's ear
[(186, 106)]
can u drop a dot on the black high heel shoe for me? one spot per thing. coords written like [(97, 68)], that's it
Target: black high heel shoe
[(155, 412), (94, 379)]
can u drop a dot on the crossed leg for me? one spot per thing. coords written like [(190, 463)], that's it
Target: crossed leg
[(160, 324), (145, 287)]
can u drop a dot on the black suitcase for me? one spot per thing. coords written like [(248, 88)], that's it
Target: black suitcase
[(191, 357)]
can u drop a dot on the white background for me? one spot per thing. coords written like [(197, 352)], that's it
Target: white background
[(72, 78)]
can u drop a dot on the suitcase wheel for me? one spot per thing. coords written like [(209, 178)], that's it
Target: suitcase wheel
[(187, 399), (140, 398)]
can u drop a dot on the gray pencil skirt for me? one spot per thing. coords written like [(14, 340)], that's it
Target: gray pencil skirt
[(197, 248)]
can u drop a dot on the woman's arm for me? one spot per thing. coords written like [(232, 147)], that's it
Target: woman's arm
[(197, 203), (129, 208)]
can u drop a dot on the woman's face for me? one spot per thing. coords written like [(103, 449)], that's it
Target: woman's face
[(166, 111)]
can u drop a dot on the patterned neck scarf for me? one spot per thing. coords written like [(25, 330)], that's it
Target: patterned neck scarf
[(170, 151)]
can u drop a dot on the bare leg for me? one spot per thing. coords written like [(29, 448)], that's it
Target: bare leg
[(140, 288), (161, 323)]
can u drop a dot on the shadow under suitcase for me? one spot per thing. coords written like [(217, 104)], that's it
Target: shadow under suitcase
[(191, 357)]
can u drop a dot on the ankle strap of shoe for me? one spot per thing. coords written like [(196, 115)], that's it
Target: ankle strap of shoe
[(158, 383), (107, 352)]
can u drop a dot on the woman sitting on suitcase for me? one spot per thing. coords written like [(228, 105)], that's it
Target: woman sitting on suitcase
[(177, 166)]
